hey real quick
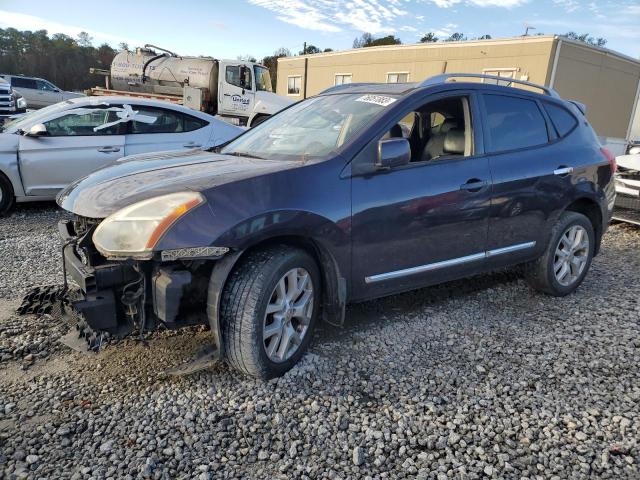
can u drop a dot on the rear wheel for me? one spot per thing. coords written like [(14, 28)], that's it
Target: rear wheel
[(269, 308), (7, 198), (565, 263)]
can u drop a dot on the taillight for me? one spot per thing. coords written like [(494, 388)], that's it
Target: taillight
[(611, 158)]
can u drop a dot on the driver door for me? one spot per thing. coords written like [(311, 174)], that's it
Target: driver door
[(236, 95), (425, 222), (70, 150)]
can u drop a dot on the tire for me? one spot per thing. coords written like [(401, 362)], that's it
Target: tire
[(258, 120), (7, 197), (546, 273), (252, 286)]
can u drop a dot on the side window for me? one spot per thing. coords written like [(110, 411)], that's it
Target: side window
[(19, 82), (46, 86), (82, 124), (232, 76), (293, 85), (166, 121), (437, 130), (193, 123), (562, 119), (514, 123)]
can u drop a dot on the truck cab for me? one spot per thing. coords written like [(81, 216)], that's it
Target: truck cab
[(245, 93)]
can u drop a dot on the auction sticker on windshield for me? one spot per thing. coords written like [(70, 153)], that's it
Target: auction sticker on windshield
[(381, 100)]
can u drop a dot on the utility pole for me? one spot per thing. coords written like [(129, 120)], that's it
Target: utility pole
[(304, 48)]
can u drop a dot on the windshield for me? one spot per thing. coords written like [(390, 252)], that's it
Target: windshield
[(315, 128), (34, 117), (263, 79)]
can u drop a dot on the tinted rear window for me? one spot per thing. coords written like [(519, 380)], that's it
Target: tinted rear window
[(562, 119), (514, 123), (18, 82)]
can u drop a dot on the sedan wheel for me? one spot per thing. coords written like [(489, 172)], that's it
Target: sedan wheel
[(288, 315), (572, 255)]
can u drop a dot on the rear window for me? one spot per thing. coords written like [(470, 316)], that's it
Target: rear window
[(18, 82), (514, 123), (562, 119)]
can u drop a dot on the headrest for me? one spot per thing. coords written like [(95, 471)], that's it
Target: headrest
[(454, 142), (448, 125)]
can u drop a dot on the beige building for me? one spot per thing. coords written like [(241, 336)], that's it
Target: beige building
[(606, 81)]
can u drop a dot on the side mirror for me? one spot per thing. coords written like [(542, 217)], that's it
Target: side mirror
[(393, 152), (243, 76), (37, 130)]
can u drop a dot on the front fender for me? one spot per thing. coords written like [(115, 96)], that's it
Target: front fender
[(9, 166)]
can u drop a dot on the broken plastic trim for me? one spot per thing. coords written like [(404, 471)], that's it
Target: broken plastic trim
[(193, 252)]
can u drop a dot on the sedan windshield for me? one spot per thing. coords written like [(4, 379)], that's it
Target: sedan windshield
[(312, 129), (34, 117)]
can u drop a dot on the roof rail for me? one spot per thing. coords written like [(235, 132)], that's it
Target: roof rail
[(438, 79)]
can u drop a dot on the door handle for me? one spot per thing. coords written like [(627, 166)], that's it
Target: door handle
[(473, 185), (563, 171), (109, 149), (192, 145)]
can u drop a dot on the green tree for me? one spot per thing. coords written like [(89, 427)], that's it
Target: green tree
[(429, 37), (271, 62), (456, 37), (85, 40), (59, 58), (586, 38), (367, 40)]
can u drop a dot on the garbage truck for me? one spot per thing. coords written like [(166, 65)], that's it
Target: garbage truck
[(238, 91)]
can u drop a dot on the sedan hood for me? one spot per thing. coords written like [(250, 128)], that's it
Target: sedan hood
[(145, 176)]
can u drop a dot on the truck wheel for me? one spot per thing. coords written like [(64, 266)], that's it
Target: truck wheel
[(566, 261), (269, 308), (7, 197)]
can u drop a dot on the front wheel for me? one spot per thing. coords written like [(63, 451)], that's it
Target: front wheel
[(7, 198), (566, 261), (269, 308)]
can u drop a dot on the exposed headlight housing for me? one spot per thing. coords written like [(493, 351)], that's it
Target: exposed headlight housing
[(134, 231), (18, 100)]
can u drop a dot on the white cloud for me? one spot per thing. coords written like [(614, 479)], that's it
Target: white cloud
[(479, 3), (21, 21), (568, 5), (374, 16)]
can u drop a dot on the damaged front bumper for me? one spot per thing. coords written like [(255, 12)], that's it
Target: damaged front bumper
[(118, 298)]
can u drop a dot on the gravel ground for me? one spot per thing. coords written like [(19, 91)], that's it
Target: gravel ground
[(477, 379)]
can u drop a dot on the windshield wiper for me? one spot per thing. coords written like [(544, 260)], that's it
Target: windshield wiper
[(242, 154)]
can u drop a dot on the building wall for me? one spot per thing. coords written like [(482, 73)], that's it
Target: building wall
[(606, 83), (530, 59)]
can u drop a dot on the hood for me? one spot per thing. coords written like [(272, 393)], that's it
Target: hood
[(140, 177)]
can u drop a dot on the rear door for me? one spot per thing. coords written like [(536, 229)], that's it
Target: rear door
[(164, 129), (71, 150), (531, 175)]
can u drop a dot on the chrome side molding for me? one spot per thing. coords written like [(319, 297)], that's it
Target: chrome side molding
[(448, 263)]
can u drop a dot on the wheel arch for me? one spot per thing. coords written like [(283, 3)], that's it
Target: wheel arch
[(590, 209), (334, 286)]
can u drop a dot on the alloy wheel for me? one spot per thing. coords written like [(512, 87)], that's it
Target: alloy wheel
[(288, 315), (572, 255)]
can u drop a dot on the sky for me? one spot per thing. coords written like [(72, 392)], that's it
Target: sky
[(233, 28)]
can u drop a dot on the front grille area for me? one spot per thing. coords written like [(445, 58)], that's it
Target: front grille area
[(6, 102), (82, 225), (627, 209)]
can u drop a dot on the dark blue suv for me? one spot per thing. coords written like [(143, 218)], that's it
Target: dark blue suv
[(363, 191)]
